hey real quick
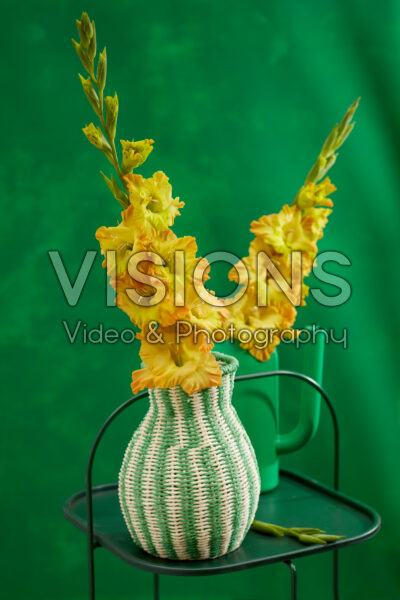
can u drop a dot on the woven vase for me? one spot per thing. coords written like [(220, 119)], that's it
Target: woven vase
[(189, 483)]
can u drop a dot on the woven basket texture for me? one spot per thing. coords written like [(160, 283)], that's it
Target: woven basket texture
[(189, 483)]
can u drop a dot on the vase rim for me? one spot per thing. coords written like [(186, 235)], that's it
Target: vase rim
[(228, 364)]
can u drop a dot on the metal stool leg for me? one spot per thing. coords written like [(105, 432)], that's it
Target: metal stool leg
[(293, 578), (91, 548), (336, 575), (156, 587)]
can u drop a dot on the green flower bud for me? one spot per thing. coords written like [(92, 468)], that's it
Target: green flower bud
[(111, 114), (347, 132), (135, 153), (315, 173), (92, 45), (102, 70), (85, 30), (347, 117), (85, 60), (96, 137), (328, 155), (90, 92), (330, 141)]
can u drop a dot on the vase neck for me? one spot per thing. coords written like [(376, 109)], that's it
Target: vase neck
[(174, 402)]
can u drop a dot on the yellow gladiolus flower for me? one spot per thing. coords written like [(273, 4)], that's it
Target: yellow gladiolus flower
[(152, 200), (124, 239), (315, 194), (135, 153), (203, 315), (169, 364), (256, 263), (283, 231), (169, 309), (249, 320)]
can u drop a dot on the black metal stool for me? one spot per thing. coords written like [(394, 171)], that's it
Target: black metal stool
[(297, 499)]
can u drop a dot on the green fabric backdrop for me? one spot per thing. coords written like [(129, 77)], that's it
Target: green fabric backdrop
[(239, 96)]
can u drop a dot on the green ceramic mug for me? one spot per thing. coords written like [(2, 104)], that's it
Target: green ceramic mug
[(257, 403)]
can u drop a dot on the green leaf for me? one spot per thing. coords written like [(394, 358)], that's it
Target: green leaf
[(305, 535), (268, 528), (330, 538), (307, 530), (116, 190), (310, 539)]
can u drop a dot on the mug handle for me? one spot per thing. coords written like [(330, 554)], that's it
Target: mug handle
[(310, 399)]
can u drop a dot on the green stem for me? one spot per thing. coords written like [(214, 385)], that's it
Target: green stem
[(110, 140)]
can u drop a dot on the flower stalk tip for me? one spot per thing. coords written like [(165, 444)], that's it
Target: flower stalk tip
[(336, 138)]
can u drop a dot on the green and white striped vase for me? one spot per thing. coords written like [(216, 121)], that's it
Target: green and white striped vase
[(189, 483)]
